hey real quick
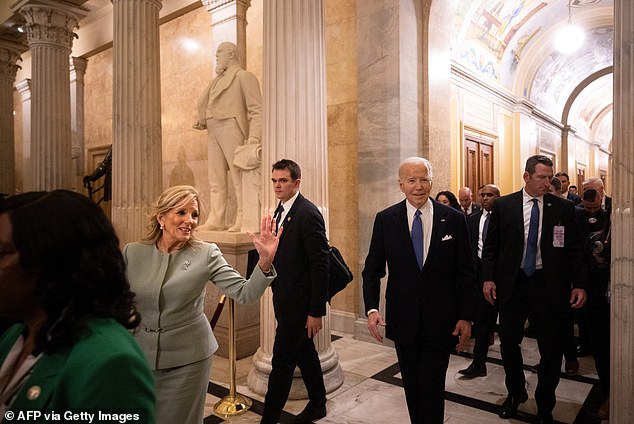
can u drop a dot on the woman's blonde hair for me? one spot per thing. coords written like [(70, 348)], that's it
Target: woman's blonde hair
[(171, 198)]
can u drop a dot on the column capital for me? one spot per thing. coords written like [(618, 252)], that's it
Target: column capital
[(50, 22), (24, 88), (77, 67), (9, 55)]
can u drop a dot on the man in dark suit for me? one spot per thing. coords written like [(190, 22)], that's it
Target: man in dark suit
[(299, 296), (465, 197), (430, 289), (565, 188), (531, 234), (596, 183), (484, 323), (594, 222)]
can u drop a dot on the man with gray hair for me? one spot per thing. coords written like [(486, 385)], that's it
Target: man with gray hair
[(231, 111), (596, 183), (431, 288)]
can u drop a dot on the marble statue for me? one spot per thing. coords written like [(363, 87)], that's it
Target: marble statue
[(230, 109)]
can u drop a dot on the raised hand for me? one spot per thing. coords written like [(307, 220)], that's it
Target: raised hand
[(266, 242)]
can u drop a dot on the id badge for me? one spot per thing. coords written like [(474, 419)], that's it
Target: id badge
[(558, 235)]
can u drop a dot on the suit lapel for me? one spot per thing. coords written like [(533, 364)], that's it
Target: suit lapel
[(437, 232), (288, 219), (402, 232), (42, 382)]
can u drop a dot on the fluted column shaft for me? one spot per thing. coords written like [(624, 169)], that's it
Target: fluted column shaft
[(9, 55), (24, 88), (622, 277), (49, 28), (136, 125), (77, 72), (295, 128)]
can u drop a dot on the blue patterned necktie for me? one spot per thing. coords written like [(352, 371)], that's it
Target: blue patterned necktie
[(531, 242), (417, 238)]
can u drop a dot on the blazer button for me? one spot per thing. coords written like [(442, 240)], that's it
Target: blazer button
[(33, 392)]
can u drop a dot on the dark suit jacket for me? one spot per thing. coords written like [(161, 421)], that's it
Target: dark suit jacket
[(434, 298), (302, 265), (474, 208), (103, 371), (473, 224), (504, 247), (574, 198)]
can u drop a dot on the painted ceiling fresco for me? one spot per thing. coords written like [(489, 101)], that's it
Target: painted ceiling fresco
[(495, 38)]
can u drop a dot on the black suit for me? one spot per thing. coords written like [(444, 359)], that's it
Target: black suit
[(597, 309), (484, 322), (299, 290), (545, 295), (422, 306)]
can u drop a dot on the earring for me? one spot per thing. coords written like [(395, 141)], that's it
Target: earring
[(161, 227)]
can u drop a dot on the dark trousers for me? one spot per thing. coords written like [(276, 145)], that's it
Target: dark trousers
[(291, 348), (597, 314), (423, 369), (549, 312), (484, 325)]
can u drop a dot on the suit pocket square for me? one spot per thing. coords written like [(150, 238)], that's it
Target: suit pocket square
[(447, 237)]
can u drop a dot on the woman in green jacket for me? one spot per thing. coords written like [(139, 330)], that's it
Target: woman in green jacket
[(62, 276)]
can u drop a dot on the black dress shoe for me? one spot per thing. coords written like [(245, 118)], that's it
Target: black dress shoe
[(545, 419), (509, 407), (474, 370), (310, 414)]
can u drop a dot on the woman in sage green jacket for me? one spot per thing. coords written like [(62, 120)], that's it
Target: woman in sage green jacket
[(169, 270)]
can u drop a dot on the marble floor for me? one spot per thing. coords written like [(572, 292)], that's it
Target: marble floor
[(372, 390)]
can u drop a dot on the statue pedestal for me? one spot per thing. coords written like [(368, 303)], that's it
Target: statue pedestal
[(235, 248)]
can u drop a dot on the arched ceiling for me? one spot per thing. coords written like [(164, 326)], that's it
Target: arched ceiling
[(510, 44)]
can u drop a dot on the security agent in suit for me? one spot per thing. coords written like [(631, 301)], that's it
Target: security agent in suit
[(299, 297), (531, 233), (486, 317), (430, 289), (594, 222)]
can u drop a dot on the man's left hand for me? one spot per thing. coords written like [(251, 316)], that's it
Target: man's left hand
[(463, 331), (577, 298), (313, 325)]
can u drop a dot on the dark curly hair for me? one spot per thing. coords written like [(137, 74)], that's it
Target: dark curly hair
[(69, 246), (453, 201)]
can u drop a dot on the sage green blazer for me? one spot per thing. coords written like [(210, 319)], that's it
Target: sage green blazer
[(170, 295), (104, 371)]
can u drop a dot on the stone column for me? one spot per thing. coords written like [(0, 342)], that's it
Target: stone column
[(9, 55), (390, 86), (24, 88), (295, 128), (49, 28), (77, 72), (622, 281), (229, 23), (137, 162)]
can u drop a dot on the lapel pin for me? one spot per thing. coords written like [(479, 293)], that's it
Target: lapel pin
[(549, 204), (186, 265), (288, 219), (33, 392)]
